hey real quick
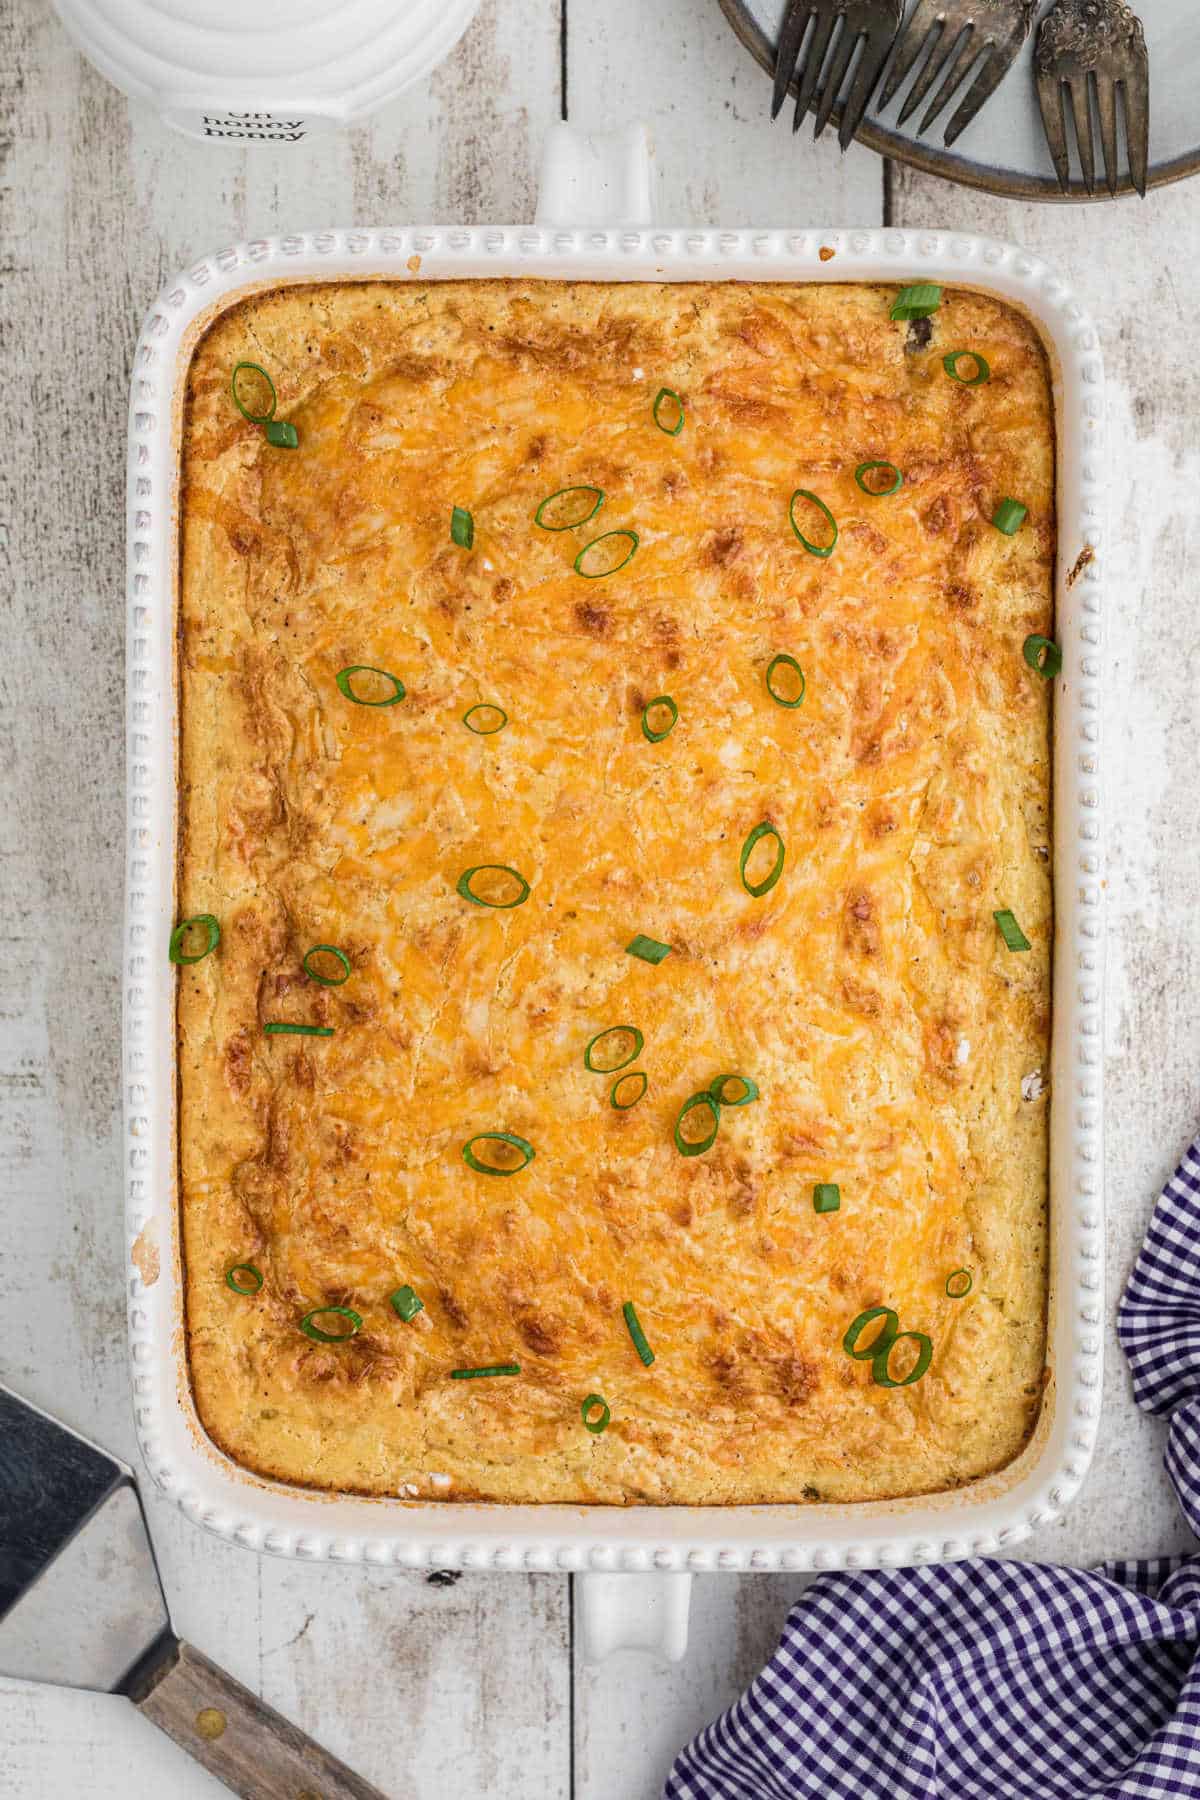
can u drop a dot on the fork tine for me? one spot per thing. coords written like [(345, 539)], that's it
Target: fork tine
[(875, 54), (790, 40), (1106, 106), (839, 63), (915, 36), (935, 66), (960, 67), (1050, 99), (818, 45), (994, 68), (1083, 130), (1136, 88)]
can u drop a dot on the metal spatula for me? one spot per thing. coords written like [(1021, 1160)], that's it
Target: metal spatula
[(81, 1605)]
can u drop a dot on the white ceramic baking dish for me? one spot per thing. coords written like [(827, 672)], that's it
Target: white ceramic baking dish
[(587, 181)]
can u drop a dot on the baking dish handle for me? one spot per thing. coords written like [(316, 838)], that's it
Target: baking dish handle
[(596, 177), (633, 1612)]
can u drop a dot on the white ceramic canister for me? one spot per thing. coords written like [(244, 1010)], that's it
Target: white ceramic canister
[(232, 71)]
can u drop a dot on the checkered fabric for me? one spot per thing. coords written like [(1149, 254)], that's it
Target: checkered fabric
[(997, 1680)]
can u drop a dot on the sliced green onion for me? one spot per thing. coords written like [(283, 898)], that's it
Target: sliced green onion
[(344, 678), (916, 302), (647, 948), (605, 538), (827, 1197), (277, 1029), (878, 493), (697, 1146), (406, 1303), (884, 1338), (813, 549), (465, 888), (637, 1334), (580, 513), (255, 1282), (212, 932), (319, 1336), (959, 1284), (629, 1040), (254, 418), (628, 1089), (667, 708), (1043, 656), (666, 395), (282, 433), (327, 950), (982, 372), (488, 711), (462, 528), (1009, 516), (791, 667), (881, 1362), (523, 1148), (488, 1370), (762, 830), (1010, 931), (599, 1423), (733, 1090)]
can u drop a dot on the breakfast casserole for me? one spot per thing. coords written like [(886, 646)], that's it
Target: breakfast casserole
[(614, 894)]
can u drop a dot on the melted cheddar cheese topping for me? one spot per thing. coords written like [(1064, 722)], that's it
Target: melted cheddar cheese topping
[(868, 994)]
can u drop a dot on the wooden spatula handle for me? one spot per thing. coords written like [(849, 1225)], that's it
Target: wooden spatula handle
[(250, 1747)]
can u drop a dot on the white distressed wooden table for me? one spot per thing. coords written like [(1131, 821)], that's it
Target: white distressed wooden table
[(475, 1688)]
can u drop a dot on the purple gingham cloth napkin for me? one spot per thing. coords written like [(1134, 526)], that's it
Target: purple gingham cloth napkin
[(998, 1680)]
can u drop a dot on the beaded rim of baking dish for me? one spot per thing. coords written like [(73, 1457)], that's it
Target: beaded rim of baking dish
[(232, 1502)]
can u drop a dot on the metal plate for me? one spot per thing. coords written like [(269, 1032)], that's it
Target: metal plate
[(1004, 149)]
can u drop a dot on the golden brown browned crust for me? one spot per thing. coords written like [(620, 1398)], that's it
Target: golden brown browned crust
[(868, 993)]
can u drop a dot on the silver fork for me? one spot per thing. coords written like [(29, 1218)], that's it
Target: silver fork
[(876, 22), (958, 33), (1086, 47)]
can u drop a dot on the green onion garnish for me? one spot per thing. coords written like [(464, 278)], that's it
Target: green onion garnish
[(282, 434), (595, 1425), (665, 717), (813, 549), (278, 1029), (1010, 931), (485, 718), (344, 678), (406, 1303), (896, 479), (880, 1371), (1009, 516), (959, 1284), (250, 1287), (327, 950), (827, 1197), (884, 1338), (917, 302), (606, 537), (628, 1089), (514, 1147), (697, 1146), (261, 418), (637, 1334), (517, 897), (1043, 656), (788, 691), (319, 1336), (762, 830), (626, 1048), (462, 528), (733, 1090), (212, 933), (591, 499), (647, 948), (982, 372), (484, 1373), (667, 399)]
